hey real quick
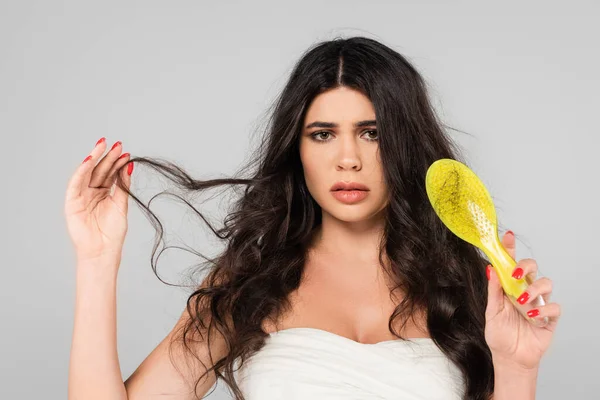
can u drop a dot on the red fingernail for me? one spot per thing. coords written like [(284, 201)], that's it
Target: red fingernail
[(123, 156), (100, 141), (509, 232), (87, 159), (129, 168), (518, 273), (488, 272), (523, 298), (115, 145), (533, 313)]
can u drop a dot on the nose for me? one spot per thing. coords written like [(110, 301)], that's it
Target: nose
[(349, 158)]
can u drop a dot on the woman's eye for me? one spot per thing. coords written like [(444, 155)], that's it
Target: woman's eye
[(314, 135), (372, 131), (318, 136)]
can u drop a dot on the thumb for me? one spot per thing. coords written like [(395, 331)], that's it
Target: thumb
[(495, 302), (120, 196)]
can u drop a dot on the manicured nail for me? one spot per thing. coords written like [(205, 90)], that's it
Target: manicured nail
[(518, 273), (533, 313), (509, 232), (100, 141), (123, 156), (523, 298), (115, 145), (488, 272), (87, 159), (129, 168)]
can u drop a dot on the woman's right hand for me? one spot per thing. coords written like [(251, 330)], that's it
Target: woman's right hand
[(96, 219)]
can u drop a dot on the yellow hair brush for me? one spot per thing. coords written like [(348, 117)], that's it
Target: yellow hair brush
[(464, 205)]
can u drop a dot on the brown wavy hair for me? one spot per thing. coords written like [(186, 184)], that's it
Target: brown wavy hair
[(268, 230)]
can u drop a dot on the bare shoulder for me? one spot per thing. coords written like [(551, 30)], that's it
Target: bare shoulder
[(170, 371)]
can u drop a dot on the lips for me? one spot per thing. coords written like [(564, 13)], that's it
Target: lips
[(348, 186), (350, 196)]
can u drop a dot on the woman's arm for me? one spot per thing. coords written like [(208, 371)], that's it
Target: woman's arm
[(157, 377), (512, 382), (94, 371), (517, 343)]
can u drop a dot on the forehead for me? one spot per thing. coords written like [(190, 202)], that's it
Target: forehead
[(341, 105)]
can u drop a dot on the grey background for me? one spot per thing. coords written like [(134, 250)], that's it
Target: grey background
[(190, 81)]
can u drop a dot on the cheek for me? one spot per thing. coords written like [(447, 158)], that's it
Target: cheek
[(313, 165), (311, 176)]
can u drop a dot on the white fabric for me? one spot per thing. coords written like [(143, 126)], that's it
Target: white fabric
[(310, 363)]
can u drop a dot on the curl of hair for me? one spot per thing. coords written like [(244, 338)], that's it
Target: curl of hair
[(268, 230)]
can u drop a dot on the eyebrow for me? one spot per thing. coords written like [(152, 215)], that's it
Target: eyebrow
[(321, 124)]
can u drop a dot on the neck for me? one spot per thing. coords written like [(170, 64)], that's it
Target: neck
[(355, 242)]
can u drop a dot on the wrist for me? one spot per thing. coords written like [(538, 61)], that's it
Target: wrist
[(104, 257), (98, 268), (508, 366), (512, 381)]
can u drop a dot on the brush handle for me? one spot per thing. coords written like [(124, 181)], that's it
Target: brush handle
[(504, 265)]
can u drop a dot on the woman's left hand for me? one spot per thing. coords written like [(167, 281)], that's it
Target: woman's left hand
[(512, 339)]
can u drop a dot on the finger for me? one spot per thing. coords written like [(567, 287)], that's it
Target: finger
[(112, 173), (101, 171), (495, 301), (80, 179), (509, 243), (542, 286), (526, 268), (120, 196), (550, 310)]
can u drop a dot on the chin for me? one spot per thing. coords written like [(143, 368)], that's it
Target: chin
[(351, 213)]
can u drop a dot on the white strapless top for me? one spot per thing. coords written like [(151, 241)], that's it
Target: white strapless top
[(313, 364)]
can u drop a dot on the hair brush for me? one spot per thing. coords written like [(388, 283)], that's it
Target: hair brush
[(464, 205)]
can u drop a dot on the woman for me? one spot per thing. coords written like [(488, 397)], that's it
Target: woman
[(319, 285)]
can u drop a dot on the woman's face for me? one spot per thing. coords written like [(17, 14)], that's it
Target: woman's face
[(339, 142)]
